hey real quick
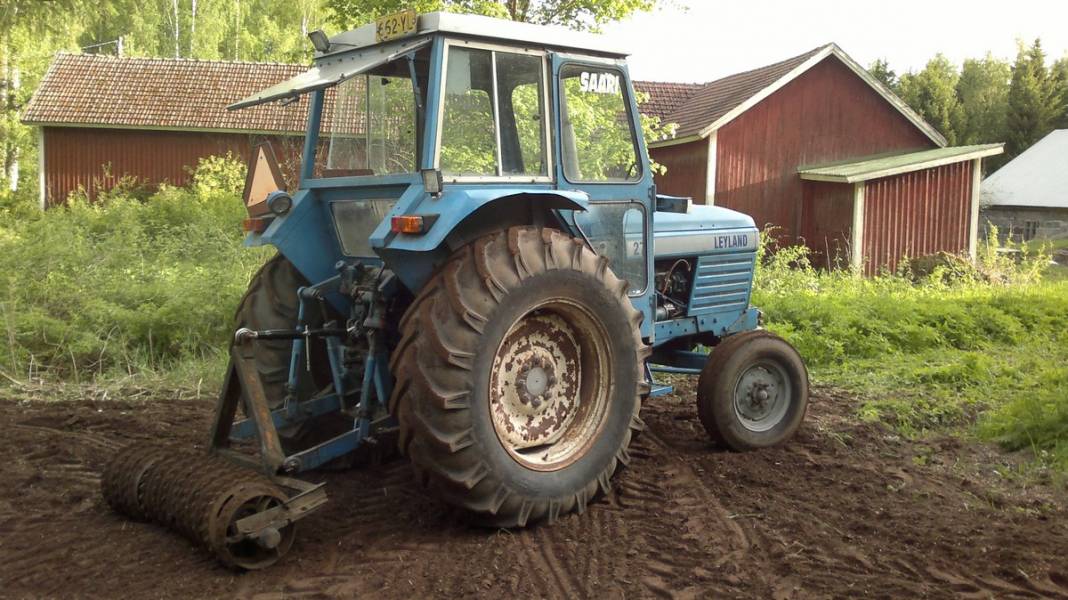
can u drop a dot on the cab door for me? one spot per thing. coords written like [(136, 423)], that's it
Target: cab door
[(601, 152)]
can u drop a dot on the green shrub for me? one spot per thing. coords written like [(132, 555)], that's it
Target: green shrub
[(124, 284), (940, 343)]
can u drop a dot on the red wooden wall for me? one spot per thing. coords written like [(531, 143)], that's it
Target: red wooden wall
[(826, 114), (827, 222), (687, 170), (91, 159), (917, 214)]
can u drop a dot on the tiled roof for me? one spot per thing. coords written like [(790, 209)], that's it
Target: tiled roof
[(719, 97), (98, 90), (697, 106), (664, 97)]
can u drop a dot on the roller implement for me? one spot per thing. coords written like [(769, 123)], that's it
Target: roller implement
[(474, 268)]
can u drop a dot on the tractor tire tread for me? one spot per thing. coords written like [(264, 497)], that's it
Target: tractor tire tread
[(434, 359), (709, 380)]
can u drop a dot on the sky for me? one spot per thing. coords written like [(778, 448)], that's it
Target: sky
[(701, 40)]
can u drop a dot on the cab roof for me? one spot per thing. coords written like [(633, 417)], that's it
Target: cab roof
[(490, 29)]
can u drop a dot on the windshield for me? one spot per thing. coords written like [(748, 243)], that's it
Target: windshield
[(373, 126)]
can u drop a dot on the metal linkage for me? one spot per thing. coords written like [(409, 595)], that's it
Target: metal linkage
[(243, 383)]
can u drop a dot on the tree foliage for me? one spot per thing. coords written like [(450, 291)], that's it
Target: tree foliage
[(880, 69), (983, 93), (575, 14), (1033, 100), (933, 93), (210, 29), (987, 100), (1060, 82)]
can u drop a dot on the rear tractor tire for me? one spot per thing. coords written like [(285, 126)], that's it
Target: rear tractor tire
[(519, 377), (753, 391), (271, 303)]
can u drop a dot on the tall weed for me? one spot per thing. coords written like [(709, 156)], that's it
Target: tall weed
[(124, 284), (936, 345)]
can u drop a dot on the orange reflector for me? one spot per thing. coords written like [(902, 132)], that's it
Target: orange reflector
[(407, 224), (256, 225)]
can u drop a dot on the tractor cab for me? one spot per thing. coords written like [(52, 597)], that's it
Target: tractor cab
[(425, 131)]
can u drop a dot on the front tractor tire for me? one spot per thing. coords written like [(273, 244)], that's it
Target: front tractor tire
[(753, 391), (519, 377)]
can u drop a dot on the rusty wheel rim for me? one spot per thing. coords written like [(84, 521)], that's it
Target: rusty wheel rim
[(549, 385)]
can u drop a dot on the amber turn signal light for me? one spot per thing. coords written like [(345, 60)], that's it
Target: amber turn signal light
[(255, 225), (413, 224)]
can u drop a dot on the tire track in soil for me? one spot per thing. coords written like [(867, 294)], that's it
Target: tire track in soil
[(695, 544), (811, 519), (814, 544)]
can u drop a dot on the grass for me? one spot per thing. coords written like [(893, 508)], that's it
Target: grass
[(140, 286), (1051, 245), (984, 349)]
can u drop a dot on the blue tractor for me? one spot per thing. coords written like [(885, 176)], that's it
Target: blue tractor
[(476, 268)]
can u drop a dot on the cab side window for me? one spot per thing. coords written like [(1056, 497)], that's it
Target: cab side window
[(599, 144), (469, 134)]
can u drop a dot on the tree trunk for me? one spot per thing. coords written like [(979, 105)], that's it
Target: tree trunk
[(237, 29), (14, 84), (9, 87), (192, 27), (177, 49)]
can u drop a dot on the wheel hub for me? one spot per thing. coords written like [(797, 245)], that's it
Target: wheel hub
[(535, 381), (761, 397), (531, 405), (546, 387)]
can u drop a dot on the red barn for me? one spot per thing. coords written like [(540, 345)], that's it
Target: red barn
[(817, 147), (103, 118)]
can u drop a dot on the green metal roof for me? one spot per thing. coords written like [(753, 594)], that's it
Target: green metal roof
[(885, 165)]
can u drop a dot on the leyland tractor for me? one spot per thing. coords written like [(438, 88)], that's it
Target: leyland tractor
[(475, 267)]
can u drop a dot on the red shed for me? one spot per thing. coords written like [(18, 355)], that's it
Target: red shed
[(103, 118), (817, 147)]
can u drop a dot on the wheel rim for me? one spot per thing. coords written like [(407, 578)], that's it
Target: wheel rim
[(762, 396), (548, 389), (237, 550)]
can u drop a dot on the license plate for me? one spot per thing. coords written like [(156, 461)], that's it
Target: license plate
[(396, 25)]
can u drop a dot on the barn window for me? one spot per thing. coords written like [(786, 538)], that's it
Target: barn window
[(1030, 230)]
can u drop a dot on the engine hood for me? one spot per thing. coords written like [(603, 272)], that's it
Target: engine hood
[(701, 218), (703, 230)]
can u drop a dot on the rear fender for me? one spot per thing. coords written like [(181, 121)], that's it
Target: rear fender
[(461, 215), (305, 236)]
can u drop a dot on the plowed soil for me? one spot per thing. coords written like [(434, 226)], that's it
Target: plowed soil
[(845, 510)]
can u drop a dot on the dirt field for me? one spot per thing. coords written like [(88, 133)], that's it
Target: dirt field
[(846, 510)]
